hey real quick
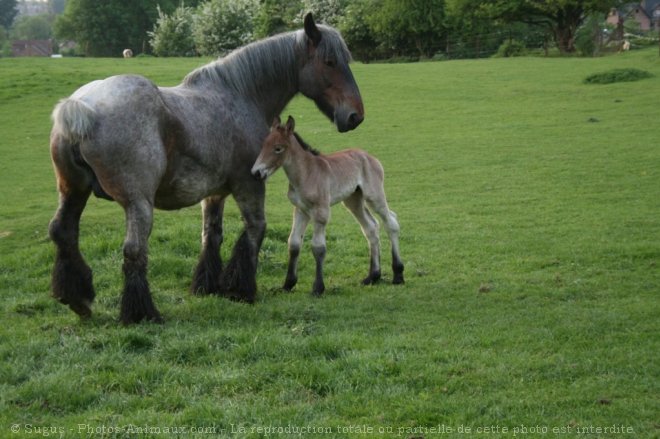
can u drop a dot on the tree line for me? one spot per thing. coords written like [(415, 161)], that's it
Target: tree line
[(373, 29)]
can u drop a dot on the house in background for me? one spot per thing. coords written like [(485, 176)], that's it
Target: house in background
[(646, 13), (32, 47)]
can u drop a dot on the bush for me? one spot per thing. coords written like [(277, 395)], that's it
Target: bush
[(617, 75), (173, 34), (510, 48), (223, 25)]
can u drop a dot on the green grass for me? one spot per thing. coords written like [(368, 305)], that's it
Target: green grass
[(530, 231)]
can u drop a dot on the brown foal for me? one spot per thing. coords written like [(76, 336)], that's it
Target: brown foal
[(317, 182)]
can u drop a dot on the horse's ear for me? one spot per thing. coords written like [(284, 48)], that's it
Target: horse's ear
[(312, 32), (276, 123), (290, 124)]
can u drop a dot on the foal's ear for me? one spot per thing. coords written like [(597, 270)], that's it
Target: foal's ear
[(312, 32), (276, 123), (290, 124)]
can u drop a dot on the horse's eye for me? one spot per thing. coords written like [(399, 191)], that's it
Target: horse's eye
[(279, 149), (330, 63)]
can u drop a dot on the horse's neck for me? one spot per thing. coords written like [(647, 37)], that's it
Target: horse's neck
[(273, 103), (253, 74)]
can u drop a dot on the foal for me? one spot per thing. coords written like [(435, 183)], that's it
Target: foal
[(317, 182)]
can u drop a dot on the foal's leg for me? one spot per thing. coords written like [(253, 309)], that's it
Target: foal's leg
[(379, 204), (369, 226), (206, 279), (136, 302), (300, 221), (321, 217), (238, 280), (72, 277)]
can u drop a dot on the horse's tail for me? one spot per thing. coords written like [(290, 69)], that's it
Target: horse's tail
[(73, 119)]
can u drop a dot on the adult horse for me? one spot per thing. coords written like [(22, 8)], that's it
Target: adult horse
[(144, 146)]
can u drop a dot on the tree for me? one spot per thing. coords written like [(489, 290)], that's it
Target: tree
[(275, 16), (107, 27), (409, 27), (173, 34), (356, 31), (7, 13), (37, 27), (326, 11), (561, 18), (223, 25)]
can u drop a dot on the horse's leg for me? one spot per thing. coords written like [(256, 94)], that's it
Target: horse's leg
[(72, 277), (379, 204), (318, 250), (369, 226), (136, 302), (206, 279), (300, 221), (238, 280)]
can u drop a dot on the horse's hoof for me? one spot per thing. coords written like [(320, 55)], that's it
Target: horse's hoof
[(289, 284), (133, 320), (82, 308), (240, 299), (398, 280), (318, 290)]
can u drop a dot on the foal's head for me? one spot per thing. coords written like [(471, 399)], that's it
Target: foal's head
[(275, 148), (326, 78)]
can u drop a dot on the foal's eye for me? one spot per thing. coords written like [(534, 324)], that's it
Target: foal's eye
[(279, 149)]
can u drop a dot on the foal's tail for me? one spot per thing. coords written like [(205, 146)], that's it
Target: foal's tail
[(73, 119)]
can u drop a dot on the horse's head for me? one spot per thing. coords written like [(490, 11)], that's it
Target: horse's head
[(326, 78), (274, 149)]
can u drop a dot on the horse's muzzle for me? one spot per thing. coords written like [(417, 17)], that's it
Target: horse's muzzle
[(347, 118)]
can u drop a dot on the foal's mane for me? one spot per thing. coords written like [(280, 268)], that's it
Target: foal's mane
[(252, 69), (306, 146)]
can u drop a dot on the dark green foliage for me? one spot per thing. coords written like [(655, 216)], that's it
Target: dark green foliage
[(617, 75), (511, 48)]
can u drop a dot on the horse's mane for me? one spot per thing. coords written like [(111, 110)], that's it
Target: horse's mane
[(306, 146), (267, 62)]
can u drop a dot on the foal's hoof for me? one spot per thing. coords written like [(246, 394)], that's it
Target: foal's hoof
[(371, 279)]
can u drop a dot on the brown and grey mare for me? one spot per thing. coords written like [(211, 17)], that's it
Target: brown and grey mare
[(146, 147), (317, 182)]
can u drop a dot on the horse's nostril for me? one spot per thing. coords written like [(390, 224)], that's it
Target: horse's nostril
[(355, 119)]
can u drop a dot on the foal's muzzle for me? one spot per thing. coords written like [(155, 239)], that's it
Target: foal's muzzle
[(260, 172)]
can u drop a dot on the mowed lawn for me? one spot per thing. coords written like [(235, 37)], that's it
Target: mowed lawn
[(530, 212)]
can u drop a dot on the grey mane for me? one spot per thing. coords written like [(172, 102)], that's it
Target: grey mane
[(265, 62), (306, 146)]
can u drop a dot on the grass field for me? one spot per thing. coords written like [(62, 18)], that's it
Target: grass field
[(530, 211)]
